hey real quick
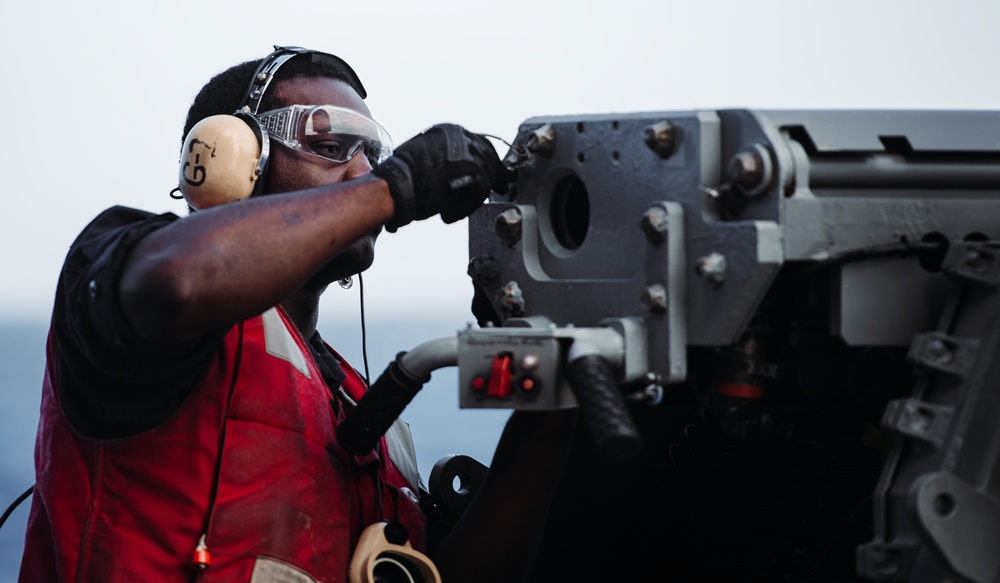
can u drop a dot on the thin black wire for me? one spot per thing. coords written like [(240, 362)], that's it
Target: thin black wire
[(15, 504), (364, 355), (508, 144), (364, 332)]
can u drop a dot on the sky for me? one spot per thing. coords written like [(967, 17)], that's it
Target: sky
[(95, 92)]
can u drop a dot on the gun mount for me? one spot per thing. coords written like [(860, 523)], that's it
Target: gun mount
[(810, 277)]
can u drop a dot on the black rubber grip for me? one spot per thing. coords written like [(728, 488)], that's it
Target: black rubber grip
[(360, 431), (603, 408)]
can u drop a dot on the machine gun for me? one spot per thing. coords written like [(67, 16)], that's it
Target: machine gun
[(805, 282)]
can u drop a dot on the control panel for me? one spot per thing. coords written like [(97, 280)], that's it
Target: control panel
[(516, 368)]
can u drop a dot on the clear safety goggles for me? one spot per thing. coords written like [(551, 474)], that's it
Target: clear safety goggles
[(327, 131)]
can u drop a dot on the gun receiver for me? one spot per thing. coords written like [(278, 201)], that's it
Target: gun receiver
[(778, 264)]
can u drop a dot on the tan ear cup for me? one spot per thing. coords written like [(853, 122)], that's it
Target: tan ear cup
[(219, 162), (376, 559)]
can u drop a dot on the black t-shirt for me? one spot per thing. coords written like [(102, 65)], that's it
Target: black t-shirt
[(112, 383)]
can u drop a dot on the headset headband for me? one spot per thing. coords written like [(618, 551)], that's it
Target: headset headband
[(270, 64)]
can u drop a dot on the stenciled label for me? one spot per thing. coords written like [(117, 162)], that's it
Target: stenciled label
[(268, 570)]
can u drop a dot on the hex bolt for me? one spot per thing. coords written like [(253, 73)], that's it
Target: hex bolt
[(510, 299), (483, 270), (973, 260), (922, 421), (508, 224), (939, 352), (884, 563), (748, 167), (977, 261), (660, 138), (750, 170), (654, 223), (712, 268), (655, 296), (542, 141)]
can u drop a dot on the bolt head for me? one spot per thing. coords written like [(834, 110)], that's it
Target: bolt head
[(750, 170), (654, 223), (508, 224), (542, 141), (655, 296), (483, 270), (510, 299), (978, 262), (940, 352), (660, 138), (712, 267)]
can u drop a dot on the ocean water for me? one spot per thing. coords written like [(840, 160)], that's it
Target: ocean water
[(22, 360), (439, 427)]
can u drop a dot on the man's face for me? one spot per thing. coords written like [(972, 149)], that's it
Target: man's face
[(290, 170)]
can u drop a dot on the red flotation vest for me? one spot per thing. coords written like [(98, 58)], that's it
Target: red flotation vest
[(250, 461)]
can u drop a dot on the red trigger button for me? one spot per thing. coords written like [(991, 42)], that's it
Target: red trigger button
[(499, 386)]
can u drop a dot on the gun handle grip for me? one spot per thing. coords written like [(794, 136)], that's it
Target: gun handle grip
[(378, 409), (603, 408)]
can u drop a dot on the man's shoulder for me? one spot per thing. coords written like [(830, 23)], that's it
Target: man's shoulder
[(118, 217)]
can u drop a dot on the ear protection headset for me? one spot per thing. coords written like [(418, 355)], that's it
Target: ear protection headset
[(224, 157)]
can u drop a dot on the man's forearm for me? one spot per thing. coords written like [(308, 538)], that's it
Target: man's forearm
[(221, 265)]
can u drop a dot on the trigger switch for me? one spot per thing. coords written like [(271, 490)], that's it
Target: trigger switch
[(499, 383)]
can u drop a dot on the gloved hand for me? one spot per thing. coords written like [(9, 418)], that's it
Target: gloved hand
[(445, 170)]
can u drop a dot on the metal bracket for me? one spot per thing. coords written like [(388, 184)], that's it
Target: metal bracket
[(914, 418), (976, 262), (943, 353), (880, 561), (469, 473), (963, 523)]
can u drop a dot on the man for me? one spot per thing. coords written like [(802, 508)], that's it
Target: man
[(189, 404)]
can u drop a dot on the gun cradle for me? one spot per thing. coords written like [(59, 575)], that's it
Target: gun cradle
[(775, 266)]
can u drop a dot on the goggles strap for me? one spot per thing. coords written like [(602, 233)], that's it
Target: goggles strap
[(264, 75), (269, 66)]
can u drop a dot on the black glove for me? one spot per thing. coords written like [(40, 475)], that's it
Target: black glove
[(446, 170)]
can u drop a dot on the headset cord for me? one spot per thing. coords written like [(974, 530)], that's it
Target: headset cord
[(368, 384), (15, 504), (364, 332)]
